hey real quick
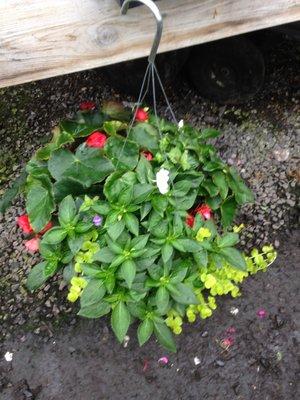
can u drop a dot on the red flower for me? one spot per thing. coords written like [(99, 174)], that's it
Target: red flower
[(47, 227), (96, 139), (204, 210), (141, 115), (87, 106), (147, 155), (24, 224), (32, 245), (190, 219)]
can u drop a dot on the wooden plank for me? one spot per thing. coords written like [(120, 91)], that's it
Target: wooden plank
[(41, 39)]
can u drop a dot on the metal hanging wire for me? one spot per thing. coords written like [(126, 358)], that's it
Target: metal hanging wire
[(151, 74)]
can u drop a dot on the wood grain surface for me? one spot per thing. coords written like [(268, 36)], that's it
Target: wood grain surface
[(41, 39)]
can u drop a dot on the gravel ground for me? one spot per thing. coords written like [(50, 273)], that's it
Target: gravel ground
[(262, 138)]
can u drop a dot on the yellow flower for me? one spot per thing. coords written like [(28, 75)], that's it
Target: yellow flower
[(237, 229), (72, 296), (202, 234), (177, 330), (210, 281), (78, 282)]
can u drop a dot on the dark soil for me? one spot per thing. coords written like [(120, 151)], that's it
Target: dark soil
[(84, 362)]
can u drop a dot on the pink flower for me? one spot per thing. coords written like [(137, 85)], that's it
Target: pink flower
[(163, 360), (231, 330), (24, 224), (190, 219), (146, 365), (87, 106), (96, 139), (204, 210), (147, 155), (227, 342), (141, 115), (32, 245), (261, 313)]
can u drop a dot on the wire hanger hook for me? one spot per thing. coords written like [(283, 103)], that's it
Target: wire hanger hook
[(159, 20)]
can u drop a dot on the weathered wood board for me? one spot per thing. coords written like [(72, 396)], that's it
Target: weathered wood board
[(40, 39)]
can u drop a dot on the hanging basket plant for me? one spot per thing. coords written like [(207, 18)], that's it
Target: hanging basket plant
[(137, 218)]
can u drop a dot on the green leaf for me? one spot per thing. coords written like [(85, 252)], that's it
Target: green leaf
[(145, 135), (123, 153), (116, 229), (145, 331), (144, 170), (92, 293), (39, 206), (118, 260), (128, 271), (162, 300), (213, 166), (75, 243), (83, 227), (67, 186), (177, 224), (87, 166), (92, 270), (142, 192), (229, 239), (182, 293), (132, 223), (159, 203), (184, 203), (68, 273), (112, 127), (187, 245), (120, 320), (101, 208), (114, 247), (234, 258), (96, 310), (242, 193), (67, 211), (76, 129), (36, 276), (55, 235), (212, 189), (209, 133), (12, 192), (139, 242), (125, 196), (116, 182), (166, 252), (116, 111), (227, 211), (181, 188), (201, 258), (179, 275), (214, 202), (219, 180), (104, 255), (164, 336)]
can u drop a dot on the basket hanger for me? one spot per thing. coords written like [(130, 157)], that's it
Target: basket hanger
[(159, 21)]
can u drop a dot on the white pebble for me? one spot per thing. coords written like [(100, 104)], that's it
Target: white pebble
[(196, 360), (234, 310), (8, 356), (126, 341)]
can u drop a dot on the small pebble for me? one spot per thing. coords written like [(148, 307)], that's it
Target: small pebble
[(220, 363)]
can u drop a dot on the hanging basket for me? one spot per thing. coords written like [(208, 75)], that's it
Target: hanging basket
[(135, 213)]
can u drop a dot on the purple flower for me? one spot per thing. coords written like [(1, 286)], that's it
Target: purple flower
[(97, 220)]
